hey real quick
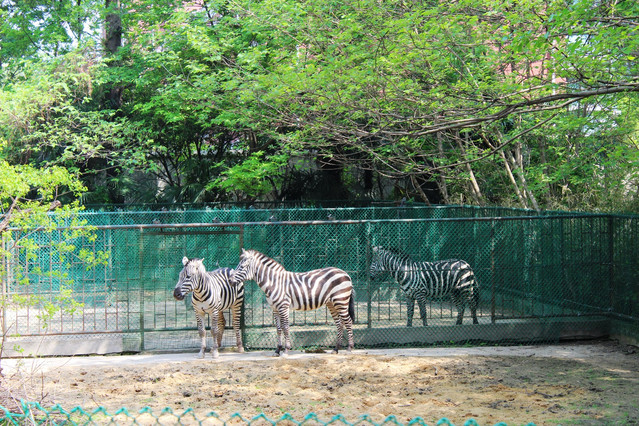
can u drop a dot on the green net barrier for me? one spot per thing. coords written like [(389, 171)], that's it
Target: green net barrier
[(543, 277), (34, 413)]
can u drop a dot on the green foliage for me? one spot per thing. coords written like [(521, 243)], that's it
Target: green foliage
[(254, 177), (486, 102)]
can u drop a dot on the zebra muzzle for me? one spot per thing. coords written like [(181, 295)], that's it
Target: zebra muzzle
[(177, 293)]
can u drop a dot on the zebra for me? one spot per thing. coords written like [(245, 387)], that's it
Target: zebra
[(424, 281), (301, 291), (212, 294)]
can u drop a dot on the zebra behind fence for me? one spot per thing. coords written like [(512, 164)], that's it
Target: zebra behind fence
[(422, 281), (212, 294), (301, 291)]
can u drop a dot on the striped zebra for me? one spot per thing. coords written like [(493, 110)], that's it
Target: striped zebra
[(301, 291), (424, 281), (212, 294)]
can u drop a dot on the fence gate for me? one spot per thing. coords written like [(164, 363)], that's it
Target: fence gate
[(166, 323)]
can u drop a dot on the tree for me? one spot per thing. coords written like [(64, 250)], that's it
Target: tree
[(28, 196), (431, 90)]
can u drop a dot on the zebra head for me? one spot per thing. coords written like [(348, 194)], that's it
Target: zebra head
[(377, 264), (191, 269), (245, 270)]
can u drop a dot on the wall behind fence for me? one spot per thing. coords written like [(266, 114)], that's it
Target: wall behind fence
[(543, 277)]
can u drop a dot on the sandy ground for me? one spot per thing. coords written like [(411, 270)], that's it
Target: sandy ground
[(582, 383)]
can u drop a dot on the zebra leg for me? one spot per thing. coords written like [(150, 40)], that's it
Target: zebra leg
[(474, 302), (283, 311), (221, 323), (235, 318), (347, 322), (410, 310), (422, 311), (215, 331), (278, 325), (199, 317), (461, 307), (338, 323)]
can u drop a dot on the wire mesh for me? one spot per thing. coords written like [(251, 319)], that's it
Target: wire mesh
[(542, 277), (33, 412)]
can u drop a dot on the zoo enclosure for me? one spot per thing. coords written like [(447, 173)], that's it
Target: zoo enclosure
[(543, 277)]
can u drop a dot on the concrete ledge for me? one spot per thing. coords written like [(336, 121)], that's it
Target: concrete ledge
[(502, 332), (68, 345), (509, 331)]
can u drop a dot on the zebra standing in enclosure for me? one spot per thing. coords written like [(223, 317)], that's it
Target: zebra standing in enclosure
[(424, 281), (301, 291), (212, 294)]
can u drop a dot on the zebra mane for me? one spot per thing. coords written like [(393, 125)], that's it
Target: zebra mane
[(264, 259), (403, 257), (198, 263)]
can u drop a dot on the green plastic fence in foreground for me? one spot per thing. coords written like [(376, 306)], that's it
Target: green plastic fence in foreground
[(34, 413)]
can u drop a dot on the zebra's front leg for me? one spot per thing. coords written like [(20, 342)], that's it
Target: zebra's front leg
[(216, 332), (219, 333), (422, 311), (199, 317)]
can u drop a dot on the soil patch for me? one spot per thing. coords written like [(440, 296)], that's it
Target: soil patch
[(574, 384)]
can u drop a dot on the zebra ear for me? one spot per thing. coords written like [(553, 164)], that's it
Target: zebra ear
[(185, 260), (243, 251)]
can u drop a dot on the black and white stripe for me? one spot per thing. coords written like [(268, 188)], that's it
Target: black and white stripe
[(303, 291), (212, 294), (423, 281)]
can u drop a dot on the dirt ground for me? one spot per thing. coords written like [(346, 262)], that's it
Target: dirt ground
[(582, 383)]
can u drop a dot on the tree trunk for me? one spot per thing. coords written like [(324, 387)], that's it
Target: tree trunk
[(112, 39), (474, 186)]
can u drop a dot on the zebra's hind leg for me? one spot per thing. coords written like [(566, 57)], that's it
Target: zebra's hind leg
[(285, 329), (474, 302), (278, 326), (410, 311), (422, 311), (459, 303), (235, 314), (338, 323)]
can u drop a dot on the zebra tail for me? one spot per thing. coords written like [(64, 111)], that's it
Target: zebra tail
[(351, 306)]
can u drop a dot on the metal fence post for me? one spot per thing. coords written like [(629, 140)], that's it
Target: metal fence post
[(141, 284), (369, 301), (611, 263), (492, 271)]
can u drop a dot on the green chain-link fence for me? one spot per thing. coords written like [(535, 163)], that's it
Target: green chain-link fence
[(543, 277), (34, 413)]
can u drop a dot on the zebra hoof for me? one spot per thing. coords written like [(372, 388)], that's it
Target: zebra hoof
[(215, 354), (200, 355), (240, 350)]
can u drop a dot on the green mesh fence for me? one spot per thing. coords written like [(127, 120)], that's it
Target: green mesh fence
[(34, 413), (543, 277)]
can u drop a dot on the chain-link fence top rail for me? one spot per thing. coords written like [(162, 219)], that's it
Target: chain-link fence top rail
[(33, 412), (538, 275)]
